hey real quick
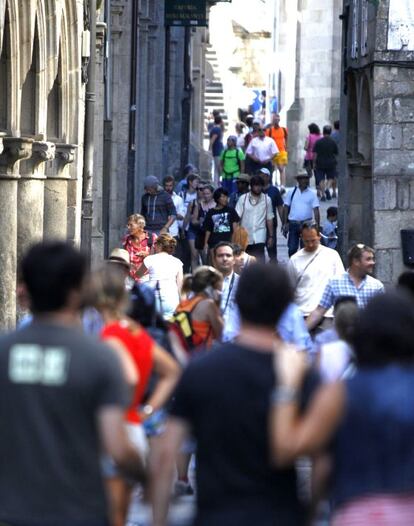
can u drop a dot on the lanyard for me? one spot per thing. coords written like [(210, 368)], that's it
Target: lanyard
[(229, 294)]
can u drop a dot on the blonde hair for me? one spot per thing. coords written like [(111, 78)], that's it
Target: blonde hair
[(166, 243), (106, 290), (135, 218)]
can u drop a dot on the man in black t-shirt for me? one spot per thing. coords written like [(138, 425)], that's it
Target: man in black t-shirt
[(223, 398), (220, 221), (62, 400), (325, 161)]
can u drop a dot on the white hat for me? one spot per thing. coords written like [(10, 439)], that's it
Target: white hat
[(120, 256)]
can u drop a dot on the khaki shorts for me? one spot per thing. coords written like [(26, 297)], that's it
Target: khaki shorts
[(281, 159)]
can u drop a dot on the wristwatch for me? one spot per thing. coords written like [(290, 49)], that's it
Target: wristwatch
[(147, 410)]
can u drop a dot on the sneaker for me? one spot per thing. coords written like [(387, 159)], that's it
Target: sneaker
[(182, 489), (328, 195)]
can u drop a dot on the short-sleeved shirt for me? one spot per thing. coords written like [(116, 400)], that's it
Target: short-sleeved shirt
[(225, 397), (279, 135), (344, 286), (231, 158), (54, 380), (218, 146), (326, 150), (253, 216), (264, 148), (310, 272), (219, 222), (301, 204)]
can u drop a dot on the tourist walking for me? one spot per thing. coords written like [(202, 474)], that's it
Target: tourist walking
[(325, 159), (224, 399), (131, 342), (261, 151), (242, 187), (139, 243), (232, 164), (365, 422), (314, 135), (277, 206), (216, 147), (165, 274), (311, 268), (63, 397), (157, 207), (224, 262), (300, 205), (280, 135), (200, 208), (256, 216), (220, 222), (357, 281)]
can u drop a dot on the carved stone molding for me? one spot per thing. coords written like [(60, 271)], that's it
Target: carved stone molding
[(42, 151), (64, 155), (15, 149)]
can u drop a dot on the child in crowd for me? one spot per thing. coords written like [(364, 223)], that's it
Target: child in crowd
[(329, 229)]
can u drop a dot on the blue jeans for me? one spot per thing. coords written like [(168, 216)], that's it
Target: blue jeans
[(294, 237)]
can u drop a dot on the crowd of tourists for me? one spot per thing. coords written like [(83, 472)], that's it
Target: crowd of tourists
[(191, 339)]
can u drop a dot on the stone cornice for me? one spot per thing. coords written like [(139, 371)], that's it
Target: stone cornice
[(64, 155), (15, 149), (42, 151)]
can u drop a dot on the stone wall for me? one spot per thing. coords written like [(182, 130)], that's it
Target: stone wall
[(135, 140), (377, 155), (41, 120)]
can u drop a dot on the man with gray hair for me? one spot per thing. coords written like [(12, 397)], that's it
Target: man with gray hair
[(157, 207)]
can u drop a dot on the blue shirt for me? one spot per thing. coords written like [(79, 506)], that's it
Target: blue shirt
[(329, 231), (344, 286), (302, 204), (292, 328), (218, 146)]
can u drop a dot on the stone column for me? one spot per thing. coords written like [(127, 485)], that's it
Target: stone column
[(30, 198), (56, 193), (15, 149)]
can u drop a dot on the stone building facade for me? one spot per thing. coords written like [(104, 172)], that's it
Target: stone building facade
[(377, 115), (151, 92), (291, 48), (41, 130)]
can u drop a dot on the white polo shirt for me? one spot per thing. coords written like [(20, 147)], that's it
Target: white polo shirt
[(263, 148), (302, 204), (253, 216)]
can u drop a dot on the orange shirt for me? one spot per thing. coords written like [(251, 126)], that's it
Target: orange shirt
[(140, 346), (279, 136)]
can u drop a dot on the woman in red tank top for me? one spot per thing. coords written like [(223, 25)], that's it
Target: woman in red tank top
[(139, 356)]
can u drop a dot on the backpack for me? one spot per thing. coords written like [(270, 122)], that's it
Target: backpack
[(182, 326)]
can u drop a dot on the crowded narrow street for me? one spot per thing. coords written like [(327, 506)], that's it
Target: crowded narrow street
[(207, 263)]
